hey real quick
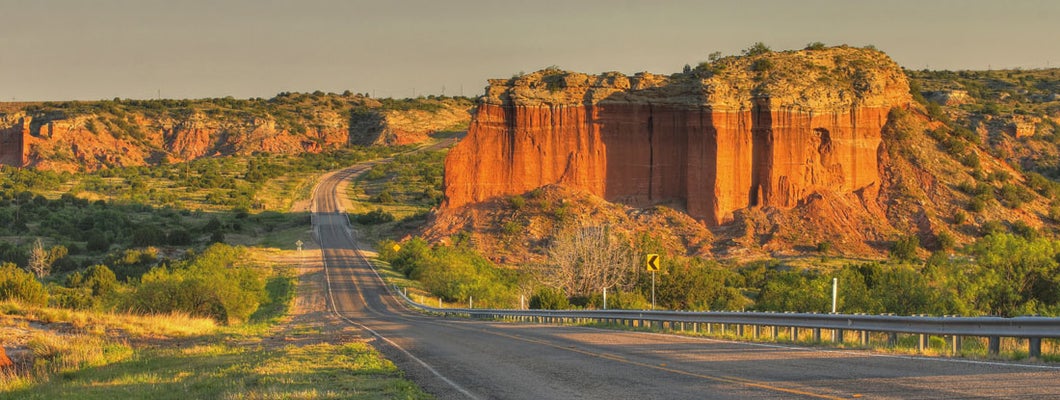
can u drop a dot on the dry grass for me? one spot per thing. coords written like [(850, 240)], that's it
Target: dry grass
[(131, 325), (46, 342)]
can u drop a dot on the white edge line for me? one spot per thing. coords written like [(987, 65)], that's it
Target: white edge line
[(848, 352), (334, 310)]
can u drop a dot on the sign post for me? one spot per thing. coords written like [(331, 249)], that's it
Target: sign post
[(652, 264)]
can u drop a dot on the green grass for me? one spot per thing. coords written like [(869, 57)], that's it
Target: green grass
[(281, 292), (227, 371), (203, 362)]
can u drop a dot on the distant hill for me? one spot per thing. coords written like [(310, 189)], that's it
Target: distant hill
[(76, 136)]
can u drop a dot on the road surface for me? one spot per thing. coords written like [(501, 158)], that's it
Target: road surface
[(469, 359)]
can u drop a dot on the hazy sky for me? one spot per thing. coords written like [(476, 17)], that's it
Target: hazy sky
[(101, 49)]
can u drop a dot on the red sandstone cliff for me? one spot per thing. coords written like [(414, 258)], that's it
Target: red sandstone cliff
[(768, 130), (92, 135)]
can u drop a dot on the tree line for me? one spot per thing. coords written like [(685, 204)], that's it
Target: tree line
[(1002, 274)]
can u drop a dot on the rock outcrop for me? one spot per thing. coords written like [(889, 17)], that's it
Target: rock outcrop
[(13, 132), (5, 362), (763, 130), (92, 135)]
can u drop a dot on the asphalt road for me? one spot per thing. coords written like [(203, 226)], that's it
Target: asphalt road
[(468, 359)]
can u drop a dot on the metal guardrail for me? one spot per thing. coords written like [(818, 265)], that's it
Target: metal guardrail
[(1034, 329)]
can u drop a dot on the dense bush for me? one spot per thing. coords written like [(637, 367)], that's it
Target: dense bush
[(698, 285), (905, 248), (453, 273), (211, 284), (21, 285), (375, 217), (549, 299)]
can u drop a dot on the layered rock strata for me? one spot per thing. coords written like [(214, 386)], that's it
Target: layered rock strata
[(93, 135), (764, 130)]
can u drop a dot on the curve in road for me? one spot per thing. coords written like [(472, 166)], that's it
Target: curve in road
[(457, 358)]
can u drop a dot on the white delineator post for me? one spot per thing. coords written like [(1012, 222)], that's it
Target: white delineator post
[(835, 290)]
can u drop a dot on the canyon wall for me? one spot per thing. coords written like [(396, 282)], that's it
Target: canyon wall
[(13, 132), (74, 136), (764, 130)]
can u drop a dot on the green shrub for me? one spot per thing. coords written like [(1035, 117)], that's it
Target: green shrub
[(375, 217), (384, 197), (75, 298), (211, 285), (945, 240), (815, 46), (1013, 196), (148, 235), (960, 217), (618, 300), (179, 237), (549, 299), (100, 280), (758, 48), (905, 248), (517, 202), (17, 284), (824, 247), (762, 65)]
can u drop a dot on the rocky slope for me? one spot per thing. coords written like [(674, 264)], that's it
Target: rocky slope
[(92, 135), (777, 153)]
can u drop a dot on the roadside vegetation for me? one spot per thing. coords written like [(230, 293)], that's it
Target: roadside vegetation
[(394, 198), (156, 282)]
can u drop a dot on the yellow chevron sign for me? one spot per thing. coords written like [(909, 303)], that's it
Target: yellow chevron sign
[(652, 262)]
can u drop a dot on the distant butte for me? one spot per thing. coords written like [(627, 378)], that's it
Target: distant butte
[(765, 130)]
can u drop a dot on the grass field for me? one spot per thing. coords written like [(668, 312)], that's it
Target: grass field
[(219, 370), (91, 354), (98, 355)]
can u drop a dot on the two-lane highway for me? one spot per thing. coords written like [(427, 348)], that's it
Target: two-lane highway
[(455, 358)]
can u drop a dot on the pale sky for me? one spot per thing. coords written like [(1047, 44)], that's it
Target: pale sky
[(101, 49)]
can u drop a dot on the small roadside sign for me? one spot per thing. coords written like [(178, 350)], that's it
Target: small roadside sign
[(652, 262)]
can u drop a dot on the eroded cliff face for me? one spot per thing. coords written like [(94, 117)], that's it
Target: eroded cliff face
[(13, 131), (92, 135), (767, 130)]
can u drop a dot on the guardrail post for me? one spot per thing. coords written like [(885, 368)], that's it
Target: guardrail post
[(1035, 349), (739, 330), (774, 330), (865, 338), (817, 335), (993, 345), (837, 336), (710, 328), (758, 331), (793, 334), (921, 343), (892, 339)]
